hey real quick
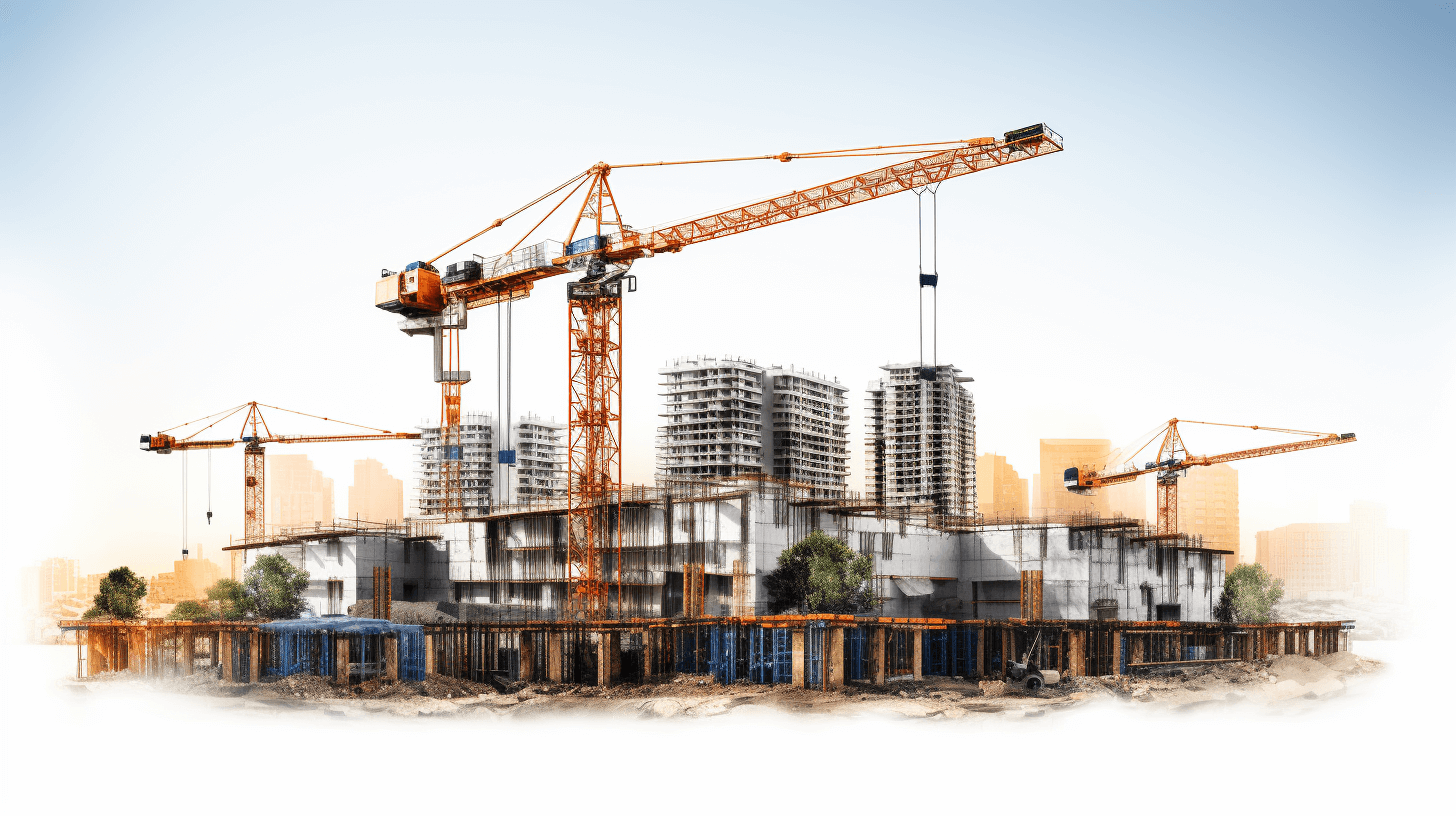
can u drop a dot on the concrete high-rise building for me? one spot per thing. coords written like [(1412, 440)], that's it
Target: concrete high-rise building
[(1208, 505), (1056, 456), (540, 458), (1328, 561), (1000, 492), (55, 578), (920, 439), (298, 494), (732, 417), (713, 412), (808, 419), (477, 465), (375, 495)]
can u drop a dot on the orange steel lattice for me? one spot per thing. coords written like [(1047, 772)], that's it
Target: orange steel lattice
[(594, 449), (1174, 460)]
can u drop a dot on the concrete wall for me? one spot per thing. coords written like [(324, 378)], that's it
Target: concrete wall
[(420, 564)]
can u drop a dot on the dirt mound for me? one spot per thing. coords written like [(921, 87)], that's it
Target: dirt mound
[(1349, 663), (992, 688), (1300, 669)]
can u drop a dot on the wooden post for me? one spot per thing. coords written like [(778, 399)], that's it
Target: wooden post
[(916, 637), (528, 657), (980, 651), (225, 655), (1077, 660), (255, 657), (877, 655), (78, 654), (391, 658), (554, 646), (429, 654), (341, 659), (189, 646), (1116, 653), (609, 659), (1137, 650), (1219, 640), (1006, 649), (834, 660), (797, 679), (649, 653)]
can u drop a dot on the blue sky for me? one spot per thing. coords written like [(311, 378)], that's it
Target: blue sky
[(1252, 222)]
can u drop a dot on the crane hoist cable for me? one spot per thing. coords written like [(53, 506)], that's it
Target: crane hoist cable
[(932, 280), (209, 488)]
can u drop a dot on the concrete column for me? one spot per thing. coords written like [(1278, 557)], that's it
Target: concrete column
[(980, 651), (528, 657), (225, 654), (429, 654), (341, 659), (391, 658), (797, 681), (554, 648), (255, 656), (834, 659), (609, 659), (1116, 654), (189, 645), (916, 638), (877, 655)]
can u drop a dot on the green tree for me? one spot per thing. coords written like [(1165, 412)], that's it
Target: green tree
[(1250, 595), (232, 598), (191, 611), (821, 574), (276, 587), (120, 597)]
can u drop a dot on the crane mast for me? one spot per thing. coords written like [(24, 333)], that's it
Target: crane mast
[(437, 305)]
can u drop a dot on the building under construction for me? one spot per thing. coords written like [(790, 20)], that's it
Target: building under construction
[(920, 439), (704, 548)]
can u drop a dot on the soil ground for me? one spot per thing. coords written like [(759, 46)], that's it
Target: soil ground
[(1278, 681)]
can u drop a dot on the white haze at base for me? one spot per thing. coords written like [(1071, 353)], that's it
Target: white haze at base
[(1341, 755)]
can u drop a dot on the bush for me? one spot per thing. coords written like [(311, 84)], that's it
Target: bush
[(1250, 595), (120, 597), (191, 611), (275, 587), (821, 574), (232, 598)]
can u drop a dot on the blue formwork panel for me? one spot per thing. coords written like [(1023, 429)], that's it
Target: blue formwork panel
[(306, 645), (783, 656), (963, 645), (814, 654), (722, 653), (856, 655), (933, 647)]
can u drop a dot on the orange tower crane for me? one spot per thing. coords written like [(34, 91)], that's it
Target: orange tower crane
[(436, 304), (1174, 460), (253, 442)]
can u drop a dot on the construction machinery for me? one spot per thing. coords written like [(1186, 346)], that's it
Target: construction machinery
[(601, 247), (253, 441), (1174, 460), (1029, 673)]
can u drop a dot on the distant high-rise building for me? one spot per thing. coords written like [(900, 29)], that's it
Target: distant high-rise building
[(920, 439), (1208, 505), (189, 580), (1322, 561), (1056, 456), (298, 494), (55, 578), (728, 417), (477, 465), (713, 412), (540, 458), (375, 495), (1000, 492), (807, 441)]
